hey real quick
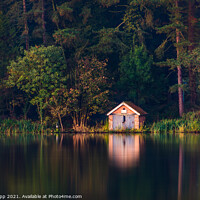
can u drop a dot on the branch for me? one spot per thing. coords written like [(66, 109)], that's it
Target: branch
[(119, 25)]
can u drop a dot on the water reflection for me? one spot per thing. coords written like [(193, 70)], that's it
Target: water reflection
[(180, 171), (101, 166), (124, 150)]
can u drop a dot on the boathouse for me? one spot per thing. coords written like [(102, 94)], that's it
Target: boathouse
[(126, 116)]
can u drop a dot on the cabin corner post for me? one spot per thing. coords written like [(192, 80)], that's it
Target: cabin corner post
[(110, 120), (137, 122)]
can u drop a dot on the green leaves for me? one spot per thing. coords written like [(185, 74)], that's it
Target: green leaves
[(7, 43), (91, 86), (110, 41), (37, 73), (65, 11), (135, 74), (108, 3), (66, 36)]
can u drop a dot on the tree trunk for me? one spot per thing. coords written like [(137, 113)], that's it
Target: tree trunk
[(26, 109), (25, 25), (40, 112), (43, 24), (62, 129), (180, 90), (192, 78)]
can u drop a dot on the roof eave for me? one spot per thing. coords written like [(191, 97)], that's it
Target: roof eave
[(121, 104)]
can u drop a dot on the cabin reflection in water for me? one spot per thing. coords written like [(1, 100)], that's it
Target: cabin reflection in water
[(124, 151)]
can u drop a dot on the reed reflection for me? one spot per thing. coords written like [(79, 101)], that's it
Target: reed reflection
[(124, 150)]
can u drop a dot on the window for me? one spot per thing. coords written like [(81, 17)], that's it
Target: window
[(124, 119), (123, 111)]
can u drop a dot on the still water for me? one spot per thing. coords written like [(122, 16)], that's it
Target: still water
[(102, 166)]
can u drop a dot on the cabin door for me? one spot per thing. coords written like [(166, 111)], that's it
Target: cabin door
[(130, 121), (123, 122), (117, 122)]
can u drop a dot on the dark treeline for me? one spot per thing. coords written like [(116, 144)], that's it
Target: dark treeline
[(70, 61)]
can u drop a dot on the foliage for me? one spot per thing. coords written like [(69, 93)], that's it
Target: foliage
[(108, 3), (92, 86), (7, 43), (37, 73), (62, 102), (66, 36), (193, 59), (135, 74), (104, 30)]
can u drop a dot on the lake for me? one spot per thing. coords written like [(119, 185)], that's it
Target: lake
[(101, 166)]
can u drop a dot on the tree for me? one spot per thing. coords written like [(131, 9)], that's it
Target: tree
[(26, 32), (192, 59), (178, 38), (92, 86), (138, 18), (9, 50), (38, 73), (192, 39), (108, 3), (38, 11), (174, 32), (8, 43), (61, 103), (135, 74)]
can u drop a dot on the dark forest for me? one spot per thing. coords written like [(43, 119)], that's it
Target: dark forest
[(69, 62)]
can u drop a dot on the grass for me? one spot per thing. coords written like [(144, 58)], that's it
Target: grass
[(189, 122), (11, 126)]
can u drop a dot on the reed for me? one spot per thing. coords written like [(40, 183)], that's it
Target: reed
[(10, 126), (104, 126), (190, 122)]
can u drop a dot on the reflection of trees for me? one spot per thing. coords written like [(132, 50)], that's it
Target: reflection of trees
[(80, 140), (91, 158), (58, 167), (124, 150), (180, 172), (188, 162), (78, 164)]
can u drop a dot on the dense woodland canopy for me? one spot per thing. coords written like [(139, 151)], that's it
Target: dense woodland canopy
[(65, 60)]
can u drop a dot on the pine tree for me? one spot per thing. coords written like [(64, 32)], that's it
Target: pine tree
[(173, 33)]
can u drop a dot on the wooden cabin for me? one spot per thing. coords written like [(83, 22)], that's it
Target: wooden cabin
[(126, 116)]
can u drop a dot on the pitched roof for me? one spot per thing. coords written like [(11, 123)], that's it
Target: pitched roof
[(137, 108), (131, 106)]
